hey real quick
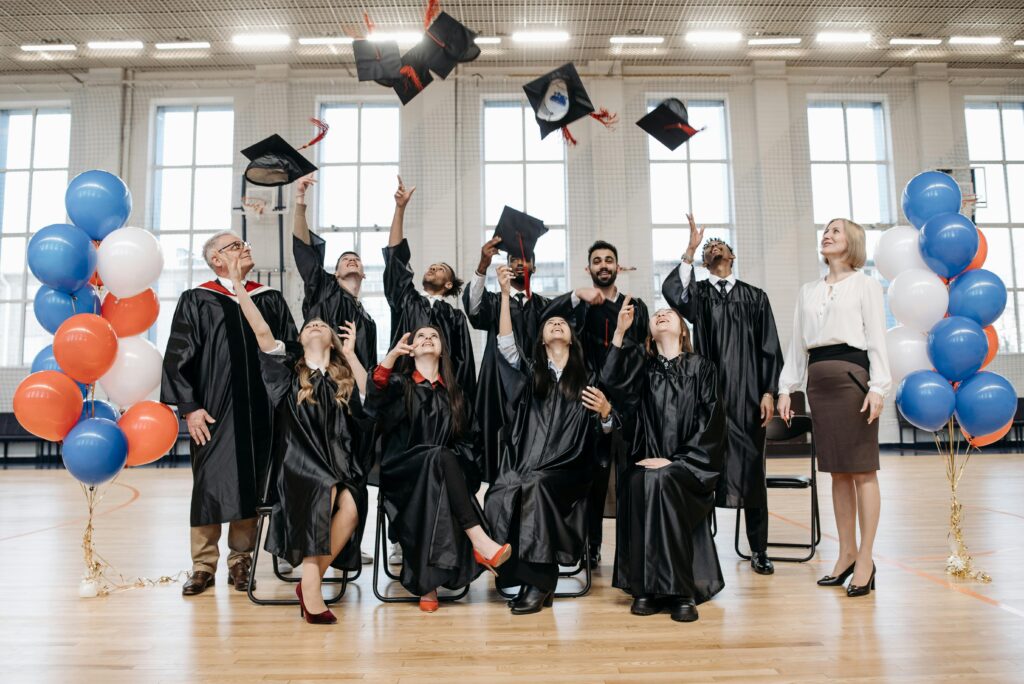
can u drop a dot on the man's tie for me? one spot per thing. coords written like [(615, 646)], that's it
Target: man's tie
[(722, 285)]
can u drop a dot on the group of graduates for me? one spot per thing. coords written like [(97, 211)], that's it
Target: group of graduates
[(571, 391)]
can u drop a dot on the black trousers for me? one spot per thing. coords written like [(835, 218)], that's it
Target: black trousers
[(515, 572), (458, 493), (756, 518)]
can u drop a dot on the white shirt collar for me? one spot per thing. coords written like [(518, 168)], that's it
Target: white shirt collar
[(556, 369), (226, 282), (731, 279)]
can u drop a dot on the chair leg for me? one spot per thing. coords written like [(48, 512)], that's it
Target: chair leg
[(380, 554), (736, 541), (250, 588), (584, 567)]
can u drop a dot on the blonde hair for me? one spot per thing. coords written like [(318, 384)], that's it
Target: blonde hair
[(338, 370), (684, 337), (856, 254)]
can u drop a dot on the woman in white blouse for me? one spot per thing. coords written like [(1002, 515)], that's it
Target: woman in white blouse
[(838, 352)]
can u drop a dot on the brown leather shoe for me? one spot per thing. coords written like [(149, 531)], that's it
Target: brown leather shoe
[(198, 582), (239, 574)]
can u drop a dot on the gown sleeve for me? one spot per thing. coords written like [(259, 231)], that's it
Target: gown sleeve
[(386, 405), (702, 453), (641, 323), (486, 315), (278, 371), (771, 348), (685, 300), (309, 260), (513, 379), (398, 285), (622, 378), (179, 384)]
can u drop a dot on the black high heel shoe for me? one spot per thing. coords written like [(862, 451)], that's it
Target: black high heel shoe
[(838, 581), (854, 590)]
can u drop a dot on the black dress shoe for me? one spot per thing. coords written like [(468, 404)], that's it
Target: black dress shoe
[(513, 602), (533, 600), (854, 590), (683, 609), (646, 605), (595, 556), (762, 566), (197, 583), (839, 580)]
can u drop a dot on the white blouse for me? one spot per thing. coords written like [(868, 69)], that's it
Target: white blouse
[(848, 312)]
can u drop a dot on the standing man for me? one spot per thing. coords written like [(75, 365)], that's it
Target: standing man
[(733, 327), (212, 374)]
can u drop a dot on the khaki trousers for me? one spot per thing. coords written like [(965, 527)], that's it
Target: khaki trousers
[(205, 551)]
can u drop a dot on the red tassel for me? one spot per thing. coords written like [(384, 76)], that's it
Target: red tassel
[(685, 128), (567, 136), (433, 9), (411, 74), (605, 118), (370, 26), (606, 333), (321, 132)]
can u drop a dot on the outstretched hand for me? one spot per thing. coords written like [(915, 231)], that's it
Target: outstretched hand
[(626, 315), (696, 236), (505, 279), (301, 186), (402, 348), (590, 295), (487, 252), (402, 196), (347, 333)]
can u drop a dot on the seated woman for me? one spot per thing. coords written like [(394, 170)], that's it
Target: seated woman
[(664, 554), (321, 486), (553, 417), (428, 472)]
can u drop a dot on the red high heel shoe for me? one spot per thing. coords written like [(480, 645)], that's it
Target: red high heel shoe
[(429, 605), (495, 561), (324, 618)]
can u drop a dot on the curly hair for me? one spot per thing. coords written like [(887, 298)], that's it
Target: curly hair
[(338, 370)]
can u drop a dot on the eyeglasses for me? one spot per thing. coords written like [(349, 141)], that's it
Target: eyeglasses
[(236, 246)]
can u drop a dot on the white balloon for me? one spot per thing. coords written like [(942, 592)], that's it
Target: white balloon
[(918, 299), (129, 261), (898, 251), (908, 352), (136, 371)]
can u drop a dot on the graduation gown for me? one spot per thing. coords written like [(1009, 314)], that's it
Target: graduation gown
[(737, 333), (415, 422), (411, 310), (324, 298), (596, 325), (212, 362), (663, 523), (321, 450), (526, 326)]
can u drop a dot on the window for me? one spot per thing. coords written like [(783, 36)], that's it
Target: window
[(995, 143), (191, 195), (695, 178), (528, 174), (34, 150)]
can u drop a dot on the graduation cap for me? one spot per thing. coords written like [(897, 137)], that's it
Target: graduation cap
[(377, 61), (519, 233), (413, 76), (446, 43), (668, 123), (273, 162), (558, 98)]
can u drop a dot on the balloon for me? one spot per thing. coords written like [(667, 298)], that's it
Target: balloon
[(957, 347), (136, 371), (98, 202), (993, 345), (85, 346), (926, 400), (930, 193), (898, 251), (130, 260), (985, 403), (53, 307), (44, 361), (95, 451), (918, 299), (948, 243), (979, 295), (48, 404), (985, 440), (133, 315), (62, 257), (979, 257), (151, 429), (94, 408), (907, 350)]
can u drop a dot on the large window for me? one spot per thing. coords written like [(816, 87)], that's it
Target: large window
[(695, 178), (34, 149), (193, 150), (528, 174), (358, 177), (995, 142)]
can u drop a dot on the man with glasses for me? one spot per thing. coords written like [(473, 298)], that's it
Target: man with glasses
[(212, 374)]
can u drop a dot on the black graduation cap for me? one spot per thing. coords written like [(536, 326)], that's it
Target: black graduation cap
[(668, 123), (273, 162), (414, 75), (446, 43), (377, 61), (519, 233), (558, 98)]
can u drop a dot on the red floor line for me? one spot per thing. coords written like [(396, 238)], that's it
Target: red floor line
[(135, 495)]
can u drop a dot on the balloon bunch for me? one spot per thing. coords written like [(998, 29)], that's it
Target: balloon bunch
[(97, 301)]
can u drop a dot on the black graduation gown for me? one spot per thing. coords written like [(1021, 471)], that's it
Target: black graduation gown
[(526, 325), (321, 450), (663, 523), (415, 422), (596, 325), (324, 298), (737, 333), (411, 310), (212, 362)]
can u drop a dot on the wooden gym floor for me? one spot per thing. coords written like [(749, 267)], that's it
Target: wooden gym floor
[(918, 626)]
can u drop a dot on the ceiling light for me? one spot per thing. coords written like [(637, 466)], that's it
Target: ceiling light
[(487, 40), (843, 37), (400, 37), (116, 45), (183, 45), (326, 40), (53, 47), (540, 37), (975, 40), (774, 41), (915, 41), (1018, 42), (713, 37), (636, 40), (261, 39)]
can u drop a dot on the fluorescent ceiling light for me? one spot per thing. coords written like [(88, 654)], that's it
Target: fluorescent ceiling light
[(326, 40), (843, 37), (400, 37), (115, 45), (915, 41), (774, 41), (975, 40), (713, 37), (183, 45), (260, 39), (636, 40), (54, 47), (487, 40), (1018, 42), (540, 37)]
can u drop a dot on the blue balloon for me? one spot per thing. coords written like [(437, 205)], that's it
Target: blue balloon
[(62, 257), (979, 295), (53, 307), (948, 243), (98, 202), (926, 400), (95, 451), (985, 402), (95, 408), (957, 347), (45, 360), (928, 194)]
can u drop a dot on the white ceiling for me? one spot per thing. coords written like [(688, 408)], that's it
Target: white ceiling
[(589, 22)]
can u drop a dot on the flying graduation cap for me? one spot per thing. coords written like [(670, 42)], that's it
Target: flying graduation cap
[(519, 233), (446, 43), (668, 123), (273, 162), (558, 98), (377, 61), (413, 76)]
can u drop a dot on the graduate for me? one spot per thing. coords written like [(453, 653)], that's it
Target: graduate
[(555, 416), (429, 473), (664, 553), (734, 328), (320, 489)]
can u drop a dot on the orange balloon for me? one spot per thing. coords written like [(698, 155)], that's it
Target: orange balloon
[(979, 257), (85, 346), (993, 345), (991, 438), (151, 429), (48, 404), (132, 315)]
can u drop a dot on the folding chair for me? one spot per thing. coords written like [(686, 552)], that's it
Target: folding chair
[(583, 566)]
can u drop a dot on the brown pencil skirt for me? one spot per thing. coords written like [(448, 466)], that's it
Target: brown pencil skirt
[(843, 440)]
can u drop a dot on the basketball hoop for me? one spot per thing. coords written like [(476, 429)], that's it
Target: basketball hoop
[(254, 208)]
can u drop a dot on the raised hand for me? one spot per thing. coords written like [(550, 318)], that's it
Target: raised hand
[(301, 186), (696, 236), (626, 315), (590, 295), (403, 348), (402, 196), (505, 279), (594, 400), (487, 253), (347, 333), (234, 262)]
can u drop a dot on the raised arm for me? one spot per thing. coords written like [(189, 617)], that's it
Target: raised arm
[(300, 228), (402, 197), (479, 311), (264, 335), (679, 287), (347, 333)]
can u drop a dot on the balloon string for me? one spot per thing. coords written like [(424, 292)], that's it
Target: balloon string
[(960, 563)]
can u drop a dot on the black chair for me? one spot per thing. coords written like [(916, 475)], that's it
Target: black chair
[(11, 432), (778, 431), (583, 566), (1017, 430)]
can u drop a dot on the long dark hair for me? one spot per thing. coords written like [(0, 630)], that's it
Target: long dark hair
[(574, 375), (446, 370)]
